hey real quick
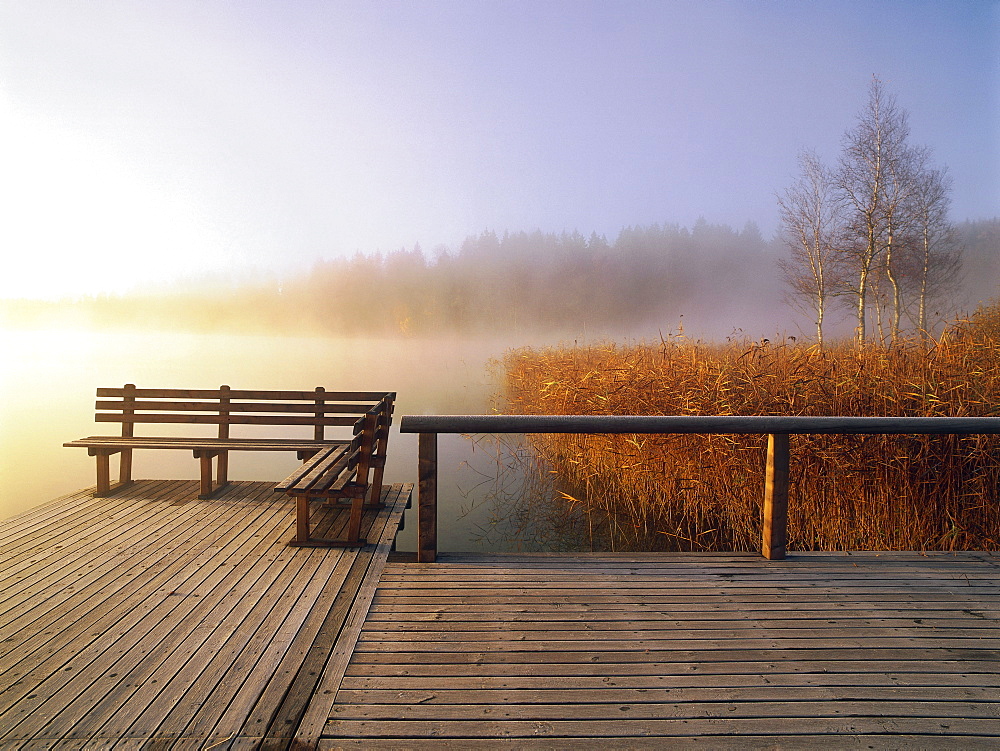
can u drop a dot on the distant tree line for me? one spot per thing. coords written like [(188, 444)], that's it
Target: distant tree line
[(522, 281), (872, 233), (713, 278), (649, 276)]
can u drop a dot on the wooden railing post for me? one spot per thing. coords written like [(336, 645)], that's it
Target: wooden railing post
[(775, 512), (427, 498)]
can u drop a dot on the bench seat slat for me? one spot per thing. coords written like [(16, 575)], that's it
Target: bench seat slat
[(346, 486), (325, 473), (336, 477), (307, 475), (336, 462), (224, 444)]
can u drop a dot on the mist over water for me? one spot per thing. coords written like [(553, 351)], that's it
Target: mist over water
[(48, 386), (710, 282), (423, 325)]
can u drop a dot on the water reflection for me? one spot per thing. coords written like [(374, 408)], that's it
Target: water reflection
[(520, 503), (499, 487)]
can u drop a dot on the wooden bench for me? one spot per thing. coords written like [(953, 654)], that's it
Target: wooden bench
[(338, 473), (334, 468)]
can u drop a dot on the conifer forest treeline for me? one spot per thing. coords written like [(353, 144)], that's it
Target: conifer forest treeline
[(710, 277)]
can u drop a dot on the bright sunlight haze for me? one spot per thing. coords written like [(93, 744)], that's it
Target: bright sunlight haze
[(143, 143)]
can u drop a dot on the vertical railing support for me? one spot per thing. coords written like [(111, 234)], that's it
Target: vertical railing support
[(775, 512), (427, 498)]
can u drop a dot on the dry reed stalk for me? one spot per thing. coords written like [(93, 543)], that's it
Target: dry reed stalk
[(686, 492)]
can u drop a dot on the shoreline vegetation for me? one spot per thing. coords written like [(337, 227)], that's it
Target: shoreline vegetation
[(703, 493)]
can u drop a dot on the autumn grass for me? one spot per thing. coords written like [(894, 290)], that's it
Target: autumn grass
[(687, 492)]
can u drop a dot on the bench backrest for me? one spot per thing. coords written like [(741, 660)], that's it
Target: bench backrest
[(225, 407), (368, 413), (370, 445)]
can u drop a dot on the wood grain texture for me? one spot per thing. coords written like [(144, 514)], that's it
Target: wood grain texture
[(824, 650), (153, 620), (427, 511), (775, 508)]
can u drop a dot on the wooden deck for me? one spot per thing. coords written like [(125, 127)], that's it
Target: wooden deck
[(152, 619), (859, 650)]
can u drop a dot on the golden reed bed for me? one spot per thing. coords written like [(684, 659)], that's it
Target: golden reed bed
[(686, 492)]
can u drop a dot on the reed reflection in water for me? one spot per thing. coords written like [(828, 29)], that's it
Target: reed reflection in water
[(520, 504)]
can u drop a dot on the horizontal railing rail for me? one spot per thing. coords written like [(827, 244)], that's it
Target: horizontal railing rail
[(760, 424), (778, 428)]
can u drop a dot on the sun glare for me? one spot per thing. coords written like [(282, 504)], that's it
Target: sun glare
[(79, 220)]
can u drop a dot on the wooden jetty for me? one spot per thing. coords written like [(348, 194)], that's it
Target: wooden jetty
[(155, 620)]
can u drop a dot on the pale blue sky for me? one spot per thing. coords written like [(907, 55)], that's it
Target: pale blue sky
[(145, 140)]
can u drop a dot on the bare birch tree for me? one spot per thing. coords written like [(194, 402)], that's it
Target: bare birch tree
[(874, 229), (900, 187), (873, 150), (810, 221), (936, 253)]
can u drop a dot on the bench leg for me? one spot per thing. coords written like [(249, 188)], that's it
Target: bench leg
[(354, 524), (208, 488), (104, 486), (302, 518), (375, 500), (222, 470), (125, 467), (103, 474), (206, 475), (303, 534)]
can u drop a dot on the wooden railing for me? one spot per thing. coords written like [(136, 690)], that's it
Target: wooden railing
[(778, 429)]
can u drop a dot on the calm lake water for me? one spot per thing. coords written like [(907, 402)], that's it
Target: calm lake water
[(49, 378)]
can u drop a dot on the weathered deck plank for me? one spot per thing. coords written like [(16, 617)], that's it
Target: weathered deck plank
[(743, 742), (153, 619), (718, 651)]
